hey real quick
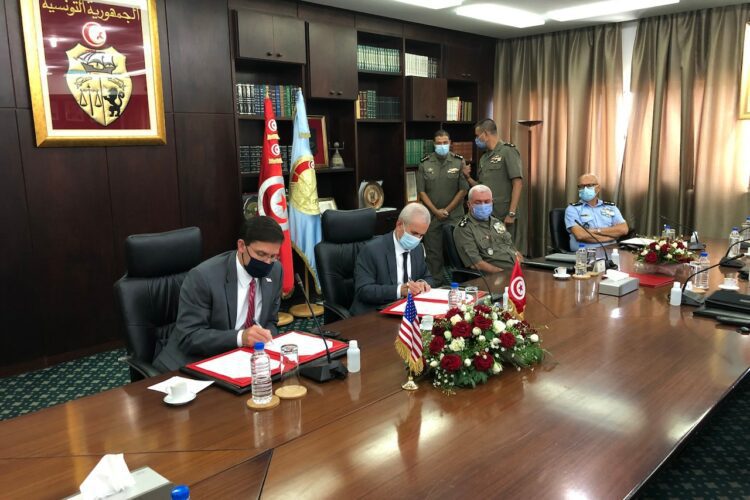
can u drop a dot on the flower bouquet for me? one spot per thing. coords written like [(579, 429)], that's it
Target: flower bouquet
[(472, 342), (663, 256)]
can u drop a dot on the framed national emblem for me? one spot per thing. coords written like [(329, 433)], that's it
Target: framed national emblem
[(94, 72)]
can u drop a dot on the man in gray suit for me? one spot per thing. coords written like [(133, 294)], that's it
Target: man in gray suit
[(393, 264), (230, 300)]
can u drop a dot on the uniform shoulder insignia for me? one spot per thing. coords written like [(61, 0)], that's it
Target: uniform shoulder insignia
[(510, 144), (458, 156), (464, 220), (424, 158), (609, 203), (576, 204)]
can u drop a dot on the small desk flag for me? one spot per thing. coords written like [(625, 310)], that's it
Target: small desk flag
[(517, 289), (409, 340)]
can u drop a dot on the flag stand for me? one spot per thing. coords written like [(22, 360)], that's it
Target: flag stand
[(410, 385), (301, 310)]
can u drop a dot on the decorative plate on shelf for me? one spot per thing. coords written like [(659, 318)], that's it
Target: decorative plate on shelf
[(373, 195), (249, 205)]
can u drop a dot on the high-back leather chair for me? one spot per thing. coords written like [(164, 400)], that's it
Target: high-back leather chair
[(460, 273), (559, 233), (345, 232), (148, 295)]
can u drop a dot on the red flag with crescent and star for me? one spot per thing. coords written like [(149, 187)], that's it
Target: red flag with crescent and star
[(517, 289), (271, 194)]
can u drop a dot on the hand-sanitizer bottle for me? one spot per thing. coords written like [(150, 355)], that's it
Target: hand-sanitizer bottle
[(675, 295), (352, 357)]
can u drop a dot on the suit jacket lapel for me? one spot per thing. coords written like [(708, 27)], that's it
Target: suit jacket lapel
[(230, 289), (390, 257)]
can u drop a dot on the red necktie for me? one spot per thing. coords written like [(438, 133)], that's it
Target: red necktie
[(250, 319)]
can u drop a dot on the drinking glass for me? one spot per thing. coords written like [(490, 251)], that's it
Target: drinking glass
[(289, 360)]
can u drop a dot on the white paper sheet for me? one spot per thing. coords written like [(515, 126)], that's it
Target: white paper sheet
[(424, 307), (642, 242), (306, 344), (194, 386), (233, 365), (435, 294)]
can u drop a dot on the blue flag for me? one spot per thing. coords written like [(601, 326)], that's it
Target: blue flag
[(304, 213)]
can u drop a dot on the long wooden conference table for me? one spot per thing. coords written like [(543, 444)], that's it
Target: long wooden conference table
[(627, 381)]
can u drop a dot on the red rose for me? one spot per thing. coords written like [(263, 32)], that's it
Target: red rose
[(482, 363), (437, 344), (482, 322), (461, 329), (507, 340), (506, 316), (680, 245), (438, 329), (652, 245), (450, 363), (453, 312), (651, 258), (482, 308), (664, 248)]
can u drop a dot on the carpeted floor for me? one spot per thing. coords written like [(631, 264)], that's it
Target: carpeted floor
[(714, 464)]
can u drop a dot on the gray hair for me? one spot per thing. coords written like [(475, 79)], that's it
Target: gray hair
[(479, 188), (413, 211)]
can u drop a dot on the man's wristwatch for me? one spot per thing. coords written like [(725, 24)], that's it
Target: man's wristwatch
[(512, 214)]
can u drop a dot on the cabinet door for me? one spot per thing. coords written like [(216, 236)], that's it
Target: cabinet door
[(254, 35), (289, 40), (463, 63), (333, 61), (427, 98)]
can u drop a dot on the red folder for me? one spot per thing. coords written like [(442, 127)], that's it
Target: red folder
[(653, 280), (391, 307)]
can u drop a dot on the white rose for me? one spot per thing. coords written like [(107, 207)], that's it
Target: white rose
[(493, 315), (441, 355), (467, 362), (495, 342), (679, 251), (447, 335), (534, 337), (668, 257), (457, 345), (498, 326), (645, 252), (497, 368), (482, 338), (476, 331), (674, 245), (662, 242), (462, 307), (455, 319), (433, 363), (512, 322)]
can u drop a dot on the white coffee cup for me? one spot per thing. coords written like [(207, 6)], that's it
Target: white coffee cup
[(561, 271), (730, 282), (178, 390)]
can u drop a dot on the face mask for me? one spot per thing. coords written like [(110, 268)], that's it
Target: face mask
[(587, 193), (409, 241), (482, 211), (442, 149), (257, 268), (480, 143)]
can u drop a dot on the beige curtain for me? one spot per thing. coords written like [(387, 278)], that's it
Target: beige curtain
[(685, 155), (572, 81)]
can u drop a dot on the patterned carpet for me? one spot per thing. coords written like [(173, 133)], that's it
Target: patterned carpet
[(715, 462)]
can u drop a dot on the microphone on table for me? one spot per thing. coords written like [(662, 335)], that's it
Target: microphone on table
[(692, 245), (494, 297), (690, 298), (607, 262), (727, 261), (323, 370)]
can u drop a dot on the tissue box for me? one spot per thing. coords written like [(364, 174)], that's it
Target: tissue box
[(618, 288), (149, 485)]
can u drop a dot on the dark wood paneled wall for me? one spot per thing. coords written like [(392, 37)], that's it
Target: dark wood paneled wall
[(65, 212)]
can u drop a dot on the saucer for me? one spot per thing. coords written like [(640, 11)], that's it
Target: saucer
[(728, 287), (561, 276), (177, 402)]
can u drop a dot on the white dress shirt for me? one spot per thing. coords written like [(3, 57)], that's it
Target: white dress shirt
[(243, 288), (400, 278)]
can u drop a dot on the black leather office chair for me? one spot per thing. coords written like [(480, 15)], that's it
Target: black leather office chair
[(559, 233), (460, 273), (345, 232), (147, 297)]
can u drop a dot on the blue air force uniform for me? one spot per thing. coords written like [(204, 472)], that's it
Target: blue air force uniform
[(604, 214)]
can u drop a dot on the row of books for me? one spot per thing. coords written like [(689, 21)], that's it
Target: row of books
[(465, 149), (417, 148), (250, 159), (250, 98), (416, 65), (372, 106), (378, 59), (458, 110)]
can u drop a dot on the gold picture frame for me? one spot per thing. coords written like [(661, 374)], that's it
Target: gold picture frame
[(326, 204), (94, 72)]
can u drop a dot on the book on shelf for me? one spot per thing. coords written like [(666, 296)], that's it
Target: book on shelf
[(416, 149), (458, 110), (370, 105), (251, 156), (416, 65), (250, 97), (378, 59), (465, 149)]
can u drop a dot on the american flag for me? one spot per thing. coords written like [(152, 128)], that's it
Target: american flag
[(409, 340)]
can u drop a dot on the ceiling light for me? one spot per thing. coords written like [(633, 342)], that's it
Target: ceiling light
[(500, 14), (609, 7), (433, 4)]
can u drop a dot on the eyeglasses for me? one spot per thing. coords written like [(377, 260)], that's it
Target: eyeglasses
[(261, 255), (581, 186)]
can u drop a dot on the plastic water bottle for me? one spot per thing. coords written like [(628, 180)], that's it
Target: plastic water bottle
[(615, 257), (734, 237), (260, 368), (454, 296), (352, 357), (745, 232), (701, 280), (506, 298), (668, 233), (581, 260)]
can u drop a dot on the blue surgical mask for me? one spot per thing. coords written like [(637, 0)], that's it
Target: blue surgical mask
[(442, 149), (409, 241), (480, 143), (587, 193), (482, 211)]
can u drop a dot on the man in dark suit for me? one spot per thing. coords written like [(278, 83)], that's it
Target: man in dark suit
[(230, 300), (393, 264)]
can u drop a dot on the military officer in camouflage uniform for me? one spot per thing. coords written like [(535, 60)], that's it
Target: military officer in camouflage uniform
[(482, 241), (442, 189), (500, 169)]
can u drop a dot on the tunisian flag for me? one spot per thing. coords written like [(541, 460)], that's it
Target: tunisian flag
[(517, 289), (271, 196)]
